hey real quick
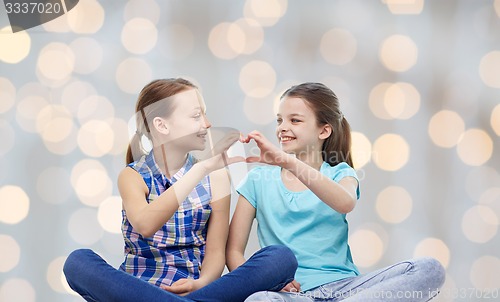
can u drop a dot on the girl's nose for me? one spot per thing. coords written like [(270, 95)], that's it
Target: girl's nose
[(282, 127), (207, 123)]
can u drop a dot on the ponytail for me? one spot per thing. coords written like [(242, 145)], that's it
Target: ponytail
[(135, 149), (337, 147)]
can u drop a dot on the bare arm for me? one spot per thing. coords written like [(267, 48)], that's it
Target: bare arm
[(239, 232), (218, 228)]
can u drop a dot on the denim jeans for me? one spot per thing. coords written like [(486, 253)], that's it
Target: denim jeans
[(269, 269), (412, 280)]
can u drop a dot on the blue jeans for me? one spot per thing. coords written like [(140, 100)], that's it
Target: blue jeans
[(412, 280), (269, 269)]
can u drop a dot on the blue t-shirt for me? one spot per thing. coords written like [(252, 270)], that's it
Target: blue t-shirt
[(315, 233)]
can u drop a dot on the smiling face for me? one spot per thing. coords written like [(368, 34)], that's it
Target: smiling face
[(298, 131), (186, 127)]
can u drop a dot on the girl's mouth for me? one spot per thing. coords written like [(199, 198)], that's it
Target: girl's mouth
[(285, 139)]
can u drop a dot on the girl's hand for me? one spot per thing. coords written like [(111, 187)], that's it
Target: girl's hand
[(292, 287), (220, 159), (269, 153), (182, 287)]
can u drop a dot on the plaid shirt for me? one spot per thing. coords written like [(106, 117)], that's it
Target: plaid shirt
[(177, 249)]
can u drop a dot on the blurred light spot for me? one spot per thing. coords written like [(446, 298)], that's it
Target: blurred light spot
[(95, 138), (53, 185), (485, 274), (366, 247), (11, 253), (120, 134), (56, 61), (55, 275), (27, 112), (139, 36), (7, 135), (489, 69), (15, 47), (146, 9), (361, 149), (376, 101), (446, 128), (338, 46), (16, 289), (14, 204), (133, 74), (433, 247), (491, 198), (7, 94), (405, 7), (398, 53), (54, 123), (259, 111), (88, 55), (479, 224), (177, 42), (83, 227), (496, 4), (57, 25), (65, 146), (109, 214), (401, 100), (95, 107), (91, 182), (266, 12), (495, 119), (475, 148), (394, 204), (391, 152), (74, 93), (257, 79), (253, 35), (86, 18), (479, 180), (219, 41)]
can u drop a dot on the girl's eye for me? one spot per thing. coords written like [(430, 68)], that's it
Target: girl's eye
[(196, 116), (295, 120), (279, 121)]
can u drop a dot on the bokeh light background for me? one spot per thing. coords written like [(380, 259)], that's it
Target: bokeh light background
[(419, 81)]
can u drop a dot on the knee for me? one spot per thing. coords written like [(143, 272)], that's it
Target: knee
[(75, 260), (283, 256), (433, 271)]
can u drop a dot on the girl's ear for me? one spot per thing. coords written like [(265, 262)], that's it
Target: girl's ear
[(160, 125), (326, 131)]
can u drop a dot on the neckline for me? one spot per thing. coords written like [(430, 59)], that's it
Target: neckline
[(282, 184)]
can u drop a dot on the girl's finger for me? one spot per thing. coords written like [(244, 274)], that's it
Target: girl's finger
[(253, 159)]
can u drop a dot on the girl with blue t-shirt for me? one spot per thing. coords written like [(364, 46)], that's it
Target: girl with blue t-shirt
[(301, 198), (176, 214)]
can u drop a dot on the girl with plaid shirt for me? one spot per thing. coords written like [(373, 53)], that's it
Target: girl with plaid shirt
[(176, 214)]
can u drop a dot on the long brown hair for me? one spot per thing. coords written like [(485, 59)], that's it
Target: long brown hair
[(325, 105), (148, 107)]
